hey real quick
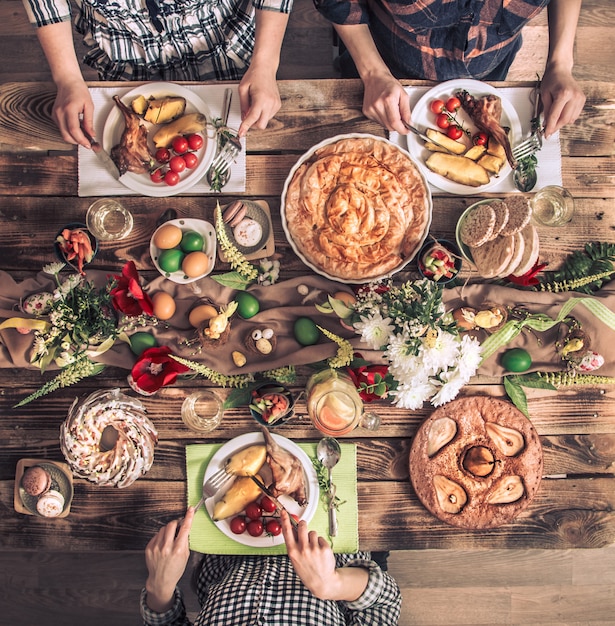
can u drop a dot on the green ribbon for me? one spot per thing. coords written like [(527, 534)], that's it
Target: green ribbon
[(541, 322)]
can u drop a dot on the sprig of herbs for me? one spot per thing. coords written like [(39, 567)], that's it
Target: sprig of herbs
[(322, 473)]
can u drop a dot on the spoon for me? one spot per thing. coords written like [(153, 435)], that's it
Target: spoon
[(328, 452), (524, 180)]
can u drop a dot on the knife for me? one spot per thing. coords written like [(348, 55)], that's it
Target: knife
[(103, 156), (424, 137), (270, 495)]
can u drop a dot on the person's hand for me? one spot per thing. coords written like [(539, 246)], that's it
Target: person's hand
[(73, 112), (562, 99), (259, 98), (166, 557), (386, 101), (314, 562)]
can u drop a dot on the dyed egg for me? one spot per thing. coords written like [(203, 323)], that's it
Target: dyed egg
[(516, 360), (164, 305), (191, 241), (37, 303), (195, 264), (345, 297), (201, 313), (170, 260), (306, 331), (167, 236), (247, 305), (141, 341)]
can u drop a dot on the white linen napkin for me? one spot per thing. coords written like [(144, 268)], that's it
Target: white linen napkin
[(94, 180), (549, 168)]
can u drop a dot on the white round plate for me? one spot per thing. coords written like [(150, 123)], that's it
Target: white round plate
[(290, 239), (114, 127), (466, 251), (423, 118), (206, 230), (305, 513)]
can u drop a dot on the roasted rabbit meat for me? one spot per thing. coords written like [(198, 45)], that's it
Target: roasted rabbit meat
[(486, 113), (132, 154), (287, 471)]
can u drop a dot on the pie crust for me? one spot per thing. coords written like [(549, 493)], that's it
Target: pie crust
[(357, 208)]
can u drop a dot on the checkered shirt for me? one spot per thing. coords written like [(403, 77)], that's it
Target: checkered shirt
[(266, 591), (166, 40)]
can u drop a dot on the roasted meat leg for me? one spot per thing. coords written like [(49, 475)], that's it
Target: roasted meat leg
[(132, 154), (287, 471), (486, 113)]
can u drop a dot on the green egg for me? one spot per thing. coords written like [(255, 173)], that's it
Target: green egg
[(191, 241), (306, 331), (141, 341), (170, 260), (516, 360), (247, 305)]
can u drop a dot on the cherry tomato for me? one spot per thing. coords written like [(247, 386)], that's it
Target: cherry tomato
[(191, 160), (454, 132), (273, 527), (480, 139), (177, 164), (171, 178), (195, 142), (453, 104), (163, 155), (238, 525), (268, 505), (255, 528), (437, 106), (157, 176), (443, 121), (180, 145), (253, 510)]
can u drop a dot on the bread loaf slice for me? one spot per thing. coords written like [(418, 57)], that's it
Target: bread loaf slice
[(531, 251), (494, 256), (519, 214), (519, 247), (477, 226)]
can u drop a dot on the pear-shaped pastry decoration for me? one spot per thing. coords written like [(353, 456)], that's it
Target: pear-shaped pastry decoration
[(508, 489), (479, 461), (508, 441), (451, 496), (440, 433)]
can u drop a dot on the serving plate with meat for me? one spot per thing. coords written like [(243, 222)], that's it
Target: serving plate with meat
[(288, 472), (481, 106), (129, 139)]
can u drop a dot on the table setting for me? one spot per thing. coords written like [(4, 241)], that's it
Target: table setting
[(258, 322)]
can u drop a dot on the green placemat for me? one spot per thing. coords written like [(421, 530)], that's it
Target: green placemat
[(205, 536)]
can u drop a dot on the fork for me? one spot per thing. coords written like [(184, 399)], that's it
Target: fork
[(528, 147), (213, 484), (219, 168)]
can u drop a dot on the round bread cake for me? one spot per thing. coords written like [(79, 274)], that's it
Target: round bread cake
[(356, 208), (476, 462)]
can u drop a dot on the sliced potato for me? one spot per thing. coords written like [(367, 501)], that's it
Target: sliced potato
[(491, 163), (447, 142), (164, 110), (458, 169), (475, 152), (243, 491), (496, 149), (139, 105), (432, 147)]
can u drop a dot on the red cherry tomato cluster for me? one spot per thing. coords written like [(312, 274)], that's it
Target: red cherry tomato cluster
[(258, 518), (179, 158), (446, 116)]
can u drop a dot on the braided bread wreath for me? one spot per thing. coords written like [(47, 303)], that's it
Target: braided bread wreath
[(107, 439), (356, 208)]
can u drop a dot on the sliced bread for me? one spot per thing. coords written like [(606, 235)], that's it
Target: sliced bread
[(494, 256), (531, 251), (519, 247), (501, 216), (477, 226), (519, 214)]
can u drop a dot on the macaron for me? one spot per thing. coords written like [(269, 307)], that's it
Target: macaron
[(36, 480), (50, 504)]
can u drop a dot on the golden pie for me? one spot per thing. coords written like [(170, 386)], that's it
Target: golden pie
[(357, 208)]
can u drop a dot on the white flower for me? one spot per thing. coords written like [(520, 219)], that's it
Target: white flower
[(471, 356), (448, 391), (375, 330), (412, 394), (440, 351), (53, 268)]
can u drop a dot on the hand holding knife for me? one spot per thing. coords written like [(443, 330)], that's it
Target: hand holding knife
[(270, 495), (103, 156)]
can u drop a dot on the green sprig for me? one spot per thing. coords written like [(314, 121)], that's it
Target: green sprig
[(236, 259), (343, 356), (220, 379)]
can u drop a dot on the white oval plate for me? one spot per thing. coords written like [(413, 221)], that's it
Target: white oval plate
[(290, 239), (206, 230), (141, 183), (423, 118), (305, 513)]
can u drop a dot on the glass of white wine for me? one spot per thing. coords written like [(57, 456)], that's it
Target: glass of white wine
[(552, 206)]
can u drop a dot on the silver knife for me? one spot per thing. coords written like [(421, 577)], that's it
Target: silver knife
[(424, 137), (103, 157)]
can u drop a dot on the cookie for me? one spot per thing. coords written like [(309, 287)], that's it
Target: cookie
[(477, 227)]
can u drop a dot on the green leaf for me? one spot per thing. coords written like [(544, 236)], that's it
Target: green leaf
[(234, 280), (324, 308), (238, 397), (532, 380), (516, 395), (340, 308)]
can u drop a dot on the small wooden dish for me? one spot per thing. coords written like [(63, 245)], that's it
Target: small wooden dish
[(61, 480)]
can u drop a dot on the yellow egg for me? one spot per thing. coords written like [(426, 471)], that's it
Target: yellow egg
[(195, 264), (201, 313), (167, 236), (164, 305)]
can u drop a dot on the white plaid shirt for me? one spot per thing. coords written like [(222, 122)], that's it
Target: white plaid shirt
[(164, 40), (266, 591)]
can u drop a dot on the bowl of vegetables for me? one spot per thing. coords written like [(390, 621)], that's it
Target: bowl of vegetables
[(272, 404), (440, 261)]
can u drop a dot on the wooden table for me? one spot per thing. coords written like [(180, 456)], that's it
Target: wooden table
[(38, 183)]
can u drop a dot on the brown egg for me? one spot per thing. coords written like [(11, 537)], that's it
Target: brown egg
[(345, 297), (167, 237), (195, 264), (201, 313), (164, 305)]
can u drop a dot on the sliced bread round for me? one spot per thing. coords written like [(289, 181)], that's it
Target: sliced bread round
[(477, 226), (519, 214), (519, 247), (531, 251), (494, 256), (501, 216)]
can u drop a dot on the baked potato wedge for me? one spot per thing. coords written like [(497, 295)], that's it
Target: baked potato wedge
[(491, 163), (165, 110), (458, 168), (475, 152), (496, 149), (440, 138)]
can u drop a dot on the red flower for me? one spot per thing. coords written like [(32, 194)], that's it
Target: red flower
[(529, 278), (127, 296), (370, 380), (155, 369)]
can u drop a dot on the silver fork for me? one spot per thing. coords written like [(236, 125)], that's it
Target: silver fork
[(528, 147), (217, 174), (213, 484)]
